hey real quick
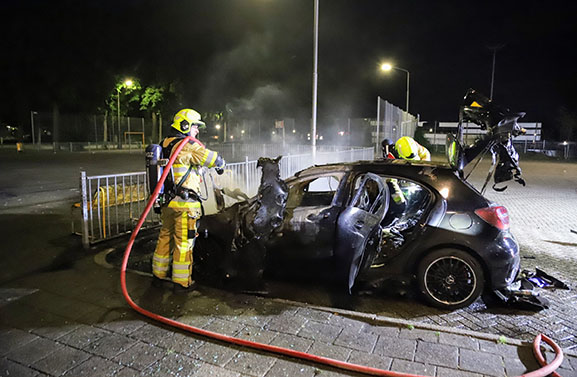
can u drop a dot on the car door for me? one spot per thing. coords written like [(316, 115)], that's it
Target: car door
[(311, 214), (358, 223)]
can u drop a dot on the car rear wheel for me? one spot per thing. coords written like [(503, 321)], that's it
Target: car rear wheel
[(450, 278)]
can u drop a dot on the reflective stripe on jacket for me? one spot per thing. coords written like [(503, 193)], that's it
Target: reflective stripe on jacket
[(195, 155)]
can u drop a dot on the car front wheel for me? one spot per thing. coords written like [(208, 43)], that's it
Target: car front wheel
[(450, 278)]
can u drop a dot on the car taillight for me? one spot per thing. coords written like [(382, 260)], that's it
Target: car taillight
[(496, 216)]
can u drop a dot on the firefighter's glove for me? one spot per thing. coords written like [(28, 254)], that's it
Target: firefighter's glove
[(219, 171)]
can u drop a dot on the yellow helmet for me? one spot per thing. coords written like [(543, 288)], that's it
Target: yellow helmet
[(407, 148), (186, 118)]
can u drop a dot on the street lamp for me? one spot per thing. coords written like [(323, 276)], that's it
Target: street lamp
[(126, 84), (32, 113), (315, 78), (387, 67)]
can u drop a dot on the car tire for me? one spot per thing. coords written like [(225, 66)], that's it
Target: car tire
[(450, 278)]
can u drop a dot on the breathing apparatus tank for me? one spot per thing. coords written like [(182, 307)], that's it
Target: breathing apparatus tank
[(154, 168)]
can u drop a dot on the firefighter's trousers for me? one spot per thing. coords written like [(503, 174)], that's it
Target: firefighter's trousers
[(176, 239)]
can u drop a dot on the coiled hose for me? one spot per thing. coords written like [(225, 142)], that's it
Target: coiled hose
[(545, 370)]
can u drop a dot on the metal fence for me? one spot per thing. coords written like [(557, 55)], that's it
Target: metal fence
[(392, 122), (111, 205)]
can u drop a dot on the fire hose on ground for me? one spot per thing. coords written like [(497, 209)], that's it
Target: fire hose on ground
[(545, 370)]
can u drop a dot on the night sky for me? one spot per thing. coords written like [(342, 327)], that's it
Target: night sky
[(257, 54)]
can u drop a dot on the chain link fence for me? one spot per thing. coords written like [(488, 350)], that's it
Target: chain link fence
[(392, 123)]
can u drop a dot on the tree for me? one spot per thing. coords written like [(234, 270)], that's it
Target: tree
[(567, 124), (151, 100)]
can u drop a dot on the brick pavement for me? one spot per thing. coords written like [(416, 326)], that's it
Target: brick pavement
[(74, 322)]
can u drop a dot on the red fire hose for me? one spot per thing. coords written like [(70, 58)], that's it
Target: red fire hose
[(545, 370)]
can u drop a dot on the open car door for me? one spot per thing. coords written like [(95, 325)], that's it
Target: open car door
[(358, 224)]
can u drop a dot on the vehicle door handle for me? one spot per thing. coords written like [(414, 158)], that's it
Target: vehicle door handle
[(359, 224)]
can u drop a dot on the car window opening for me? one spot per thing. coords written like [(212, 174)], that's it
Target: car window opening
[(313, 193)]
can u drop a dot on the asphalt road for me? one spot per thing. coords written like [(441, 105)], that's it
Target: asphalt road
[(37, 189)]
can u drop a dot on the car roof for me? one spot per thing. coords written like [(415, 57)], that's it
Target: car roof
[(435, 175)]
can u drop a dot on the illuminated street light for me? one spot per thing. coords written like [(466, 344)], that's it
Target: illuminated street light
[(217, 126), (128, 83), (386, 67)]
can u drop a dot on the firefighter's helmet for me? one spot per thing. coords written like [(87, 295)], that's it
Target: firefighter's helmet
[(185, 119), (407, 148)]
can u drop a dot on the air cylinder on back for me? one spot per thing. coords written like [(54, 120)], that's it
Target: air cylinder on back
[(153, 153)]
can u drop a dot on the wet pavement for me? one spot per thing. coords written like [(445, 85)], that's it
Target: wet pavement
[(62, 313)]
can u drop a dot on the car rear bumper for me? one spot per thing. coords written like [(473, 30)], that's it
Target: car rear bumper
[(503, 260)]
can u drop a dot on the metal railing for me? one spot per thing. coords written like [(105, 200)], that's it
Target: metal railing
[(112, 204)]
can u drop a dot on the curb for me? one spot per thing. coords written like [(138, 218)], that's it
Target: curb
[(376, 319)]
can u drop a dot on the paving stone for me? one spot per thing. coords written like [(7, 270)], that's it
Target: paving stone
[(56, 330), (251, 363), (498, 348), (110, 345), (420, 334), (140, 356), (286, 323), (481, 362), (405, 366), (127, 372), (172, 365), (200, 321), (314, 315), (216, 354), (319, 331), (396, 348), (370, 360), (95, 367), (10, 368), (286, 368), (459, 340), (13, 339), (292, 342), (168, 338), (437, 354), (33, 351), (24, 317), (224, 327), (61, 360), (213, 370), (83, 336), (384, 331), (360, 341), (118, 321), (572, 361), (348, 324), (516, 367), (251, 318), (566, 372), (447, 372), (256, 334), (330, 351)]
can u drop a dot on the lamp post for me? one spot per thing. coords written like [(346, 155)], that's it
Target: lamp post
[(32, 113), (387, 67), (127, 83), (315, 80)]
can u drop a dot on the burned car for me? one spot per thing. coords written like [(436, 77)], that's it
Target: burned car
[(444, 236), (382, 223)]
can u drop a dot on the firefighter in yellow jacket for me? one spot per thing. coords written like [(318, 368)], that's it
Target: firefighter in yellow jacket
[(180, 215)]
